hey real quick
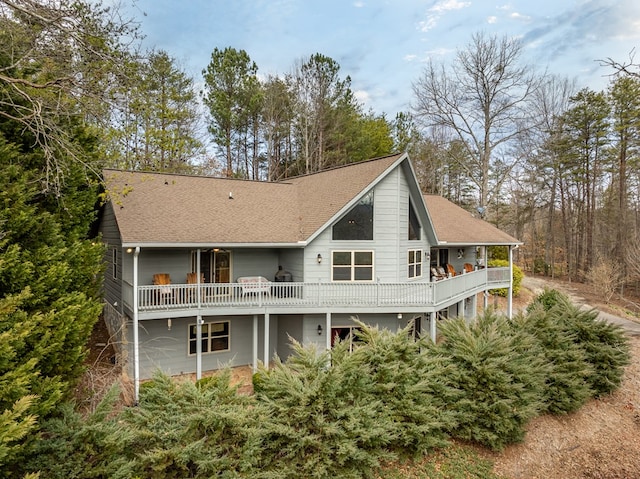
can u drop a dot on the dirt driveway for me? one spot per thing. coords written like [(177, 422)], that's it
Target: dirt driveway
[(600, 441)]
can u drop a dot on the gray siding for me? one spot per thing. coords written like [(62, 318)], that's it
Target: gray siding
[(176, 262), (112, 289), (292, 260), (254, 262), (289, 326), (167, 350), (390, 243)]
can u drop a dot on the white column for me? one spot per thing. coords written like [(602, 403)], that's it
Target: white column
[(432, 326), (255, 343), (136, 346), (327, 330), (266, 340), (198, 347)]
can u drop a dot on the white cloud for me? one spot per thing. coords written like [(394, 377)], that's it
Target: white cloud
[(448, 5), (519, 16), (358, 4), (439, 9), (492, 19)]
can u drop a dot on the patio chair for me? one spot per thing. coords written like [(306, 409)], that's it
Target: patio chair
[(451, 270), (437, 275), (163, 279), (468, 268)]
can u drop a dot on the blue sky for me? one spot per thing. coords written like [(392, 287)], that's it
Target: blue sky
[(383, 45)]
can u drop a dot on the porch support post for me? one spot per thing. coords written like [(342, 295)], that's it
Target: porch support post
[(199, 294), (198, 347), (432, 326), (266, 340), (510, 293), (255, 343), (327, 329), (136, 341), (461, 311)]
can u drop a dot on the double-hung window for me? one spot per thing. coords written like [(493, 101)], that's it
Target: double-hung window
[(352, 266), (414, 261), (215, 337)]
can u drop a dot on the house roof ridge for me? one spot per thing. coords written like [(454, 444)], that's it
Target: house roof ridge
[(338, 167)]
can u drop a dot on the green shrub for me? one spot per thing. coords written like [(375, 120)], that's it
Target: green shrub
[(412, 383), (606, 349), (547, 299), (323, 417), (518, 275), (567, 388), (500, 371)]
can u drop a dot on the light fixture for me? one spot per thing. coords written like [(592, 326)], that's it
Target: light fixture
[(319, 329), (129, 250), (399, 315), (169, 324), (319, 258)]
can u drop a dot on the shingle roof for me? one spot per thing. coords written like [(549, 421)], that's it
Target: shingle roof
[(160, 208), (455, 225)]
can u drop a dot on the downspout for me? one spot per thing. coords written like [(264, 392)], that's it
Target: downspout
[(136, 351)]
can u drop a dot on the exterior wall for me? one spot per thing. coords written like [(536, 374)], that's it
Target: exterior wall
[(291, 260), (112, 289), (289, 326), (176, 262), (254, 262), (311, 322), (167, 350), (390, 243)]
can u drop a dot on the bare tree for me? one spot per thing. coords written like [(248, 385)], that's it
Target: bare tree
[(59, 60), (483, 98)]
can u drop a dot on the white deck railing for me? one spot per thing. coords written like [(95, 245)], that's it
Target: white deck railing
[(207, 295)]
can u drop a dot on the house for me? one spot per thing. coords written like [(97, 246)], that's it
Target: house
[(210, 272)]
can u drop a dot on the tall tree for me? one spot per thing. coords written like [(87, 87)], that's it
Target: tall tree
[(624, 95), (324, 106), (542, 169), (585, 129), (157, 126), (483, 98), (231, 95), (277, 118)]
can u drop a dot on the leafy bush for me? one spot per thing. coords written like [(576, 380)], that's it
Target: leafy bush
[(567, 388), (412, 383), (324, 419), (547, 300), (518, 275), (501, 373), (606, 349)]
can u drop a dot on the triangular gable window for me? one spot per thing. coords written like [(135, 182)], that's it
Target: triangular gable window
[(357, 224), (414, 224)]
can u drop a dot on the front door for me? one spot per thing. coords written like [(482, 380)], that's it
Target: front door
[(221, 266), (214, 265)]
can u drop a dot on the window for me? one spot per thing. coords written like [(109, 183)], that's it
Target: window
[(352, 266), (114, 262), (357, 224), (415, 263), (215, 337), (414, 224), (345, 334)]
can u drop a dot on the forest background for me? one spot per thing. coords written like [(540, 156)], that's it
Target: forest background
[(555, 167)]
